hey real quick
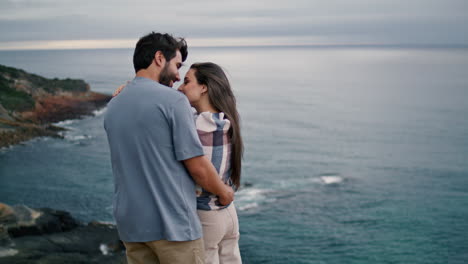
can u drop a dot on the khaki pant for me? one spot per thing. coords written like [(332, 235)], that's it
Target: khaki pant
[(165, 252), (221, 235)]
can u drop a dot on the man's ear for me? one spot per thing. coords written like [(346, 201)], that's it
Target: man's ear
[(159, 59)]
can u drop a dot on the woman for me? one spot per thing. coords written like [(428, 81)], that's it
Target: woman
[(209, 92)]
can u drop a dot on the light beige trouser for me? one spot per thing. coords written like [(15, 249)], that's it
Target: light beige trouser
[(165, 252), (221, 235)]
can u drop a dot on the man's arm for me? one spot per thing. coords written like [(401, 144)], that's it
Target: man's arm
[(205, 175)]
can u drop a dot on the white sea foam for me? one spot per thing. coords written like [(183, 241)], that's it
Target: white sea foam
[(331, 179), (5, 149), (77, 137), (107, 223), (249, 198), (7, 252), (65, 123), (104, 249), (99, 112), (247, 206)]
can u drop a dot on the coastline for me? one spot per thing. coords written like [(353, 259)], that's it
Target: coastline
[(31, 104), (13, 132)]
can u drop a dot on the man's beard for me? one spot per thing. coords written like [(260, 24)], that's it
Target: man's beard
[(166, 77)]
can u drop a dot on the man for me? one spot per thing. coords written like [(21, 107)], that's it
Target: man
[(154, 151)]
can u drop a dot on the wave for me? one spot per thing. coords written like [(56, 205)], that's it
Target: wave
[(100, 111), (250, 198), (247, 206), (7, 252), (104, 249), (68, 122), (77, 137), (65, 123), (331, 179)]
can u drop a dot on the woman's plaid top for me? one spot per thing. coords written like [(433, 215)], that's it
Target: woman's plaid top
[(213, 129)]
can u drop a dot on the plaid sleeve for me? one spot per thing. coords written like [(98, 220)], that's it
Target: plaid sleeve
[(213, 130)]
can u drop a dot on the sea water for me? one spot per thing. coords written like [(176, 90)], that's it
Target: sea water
[(352, 154)]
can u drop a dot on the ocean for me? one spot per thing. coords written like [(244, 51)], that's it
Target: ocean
[(352, 154)]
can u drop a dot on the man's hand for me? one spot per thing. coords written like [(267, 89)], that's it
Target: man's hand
[(205, 175)]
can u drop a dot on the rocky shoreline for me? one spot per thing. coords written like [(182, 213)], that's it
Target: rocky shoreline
[(48, 236), (29, 104)]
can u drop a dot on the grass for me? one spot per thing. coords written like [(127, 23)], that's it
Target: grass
[(19, 101), (14, 100)]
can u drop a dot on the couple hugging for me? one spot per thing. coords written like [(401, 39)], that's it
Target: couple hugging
[(175, 174)]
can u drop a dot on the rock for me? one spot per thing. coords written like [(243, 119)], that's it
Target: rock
[(37, 222), (52, 221), (46, 235), (83, 244), (22, 133), (4, 113), (7, 214), (62, 107)]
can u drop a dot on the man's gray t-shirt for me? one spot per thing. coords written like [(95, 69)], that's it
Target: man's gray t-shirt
[(150, 130)]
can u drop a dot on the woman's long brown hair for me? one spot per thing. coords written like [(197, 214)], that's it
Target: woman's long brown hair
[(222, 98)]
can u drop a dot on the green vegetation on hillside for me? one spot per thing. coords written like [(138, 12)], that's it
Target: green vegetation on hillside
[(72, 85), (16, 100), (12, 99), (49, 85)]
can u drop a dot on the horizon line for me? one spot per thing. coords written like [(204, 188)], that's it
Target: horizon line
[(304, 41)]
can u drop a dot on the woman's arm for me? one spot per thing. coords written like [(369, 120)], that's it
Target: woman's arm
[(118, 90)]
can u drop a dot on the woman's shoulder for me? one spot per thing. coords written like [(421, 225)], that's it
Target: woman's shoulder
[(207, 121)]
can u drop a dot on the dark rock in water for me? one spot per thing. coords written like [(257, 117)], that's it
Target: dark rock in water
[(247, 184), (91, 240), (51, 236), (7, 214), (41, 221), (7, 217)]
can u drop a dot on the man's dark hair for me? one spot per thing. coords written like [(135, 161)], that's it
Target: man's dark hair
[(148, 45)]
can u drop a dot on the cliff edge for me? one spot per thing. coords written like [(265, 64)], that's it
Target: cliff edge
[(29, 103)]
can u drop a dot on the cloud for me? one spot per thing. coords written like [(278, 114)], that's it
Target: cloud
[(339, 21)]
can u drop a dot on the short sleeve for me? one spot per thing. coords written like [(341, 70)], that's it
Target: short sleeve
[(184, 133)]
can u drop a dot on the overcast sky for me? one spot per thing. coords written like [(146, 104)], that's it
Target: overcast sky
[(29, 23)]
